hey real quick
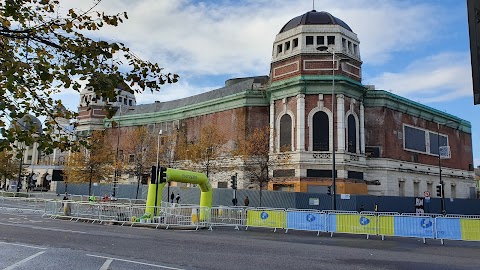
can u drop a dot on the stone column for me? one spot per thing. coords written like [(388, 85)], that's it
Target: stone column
[(300, 122), (272, 125), (362, 128), (340, 123)]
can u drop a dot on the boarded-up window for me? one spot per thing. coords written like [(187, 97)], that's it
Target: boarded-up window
[(352, 134), (285, 133), (320, 132)]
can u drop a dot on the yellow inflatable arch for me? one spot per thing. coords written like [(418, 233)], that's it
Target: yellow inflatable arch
[(182, 176)]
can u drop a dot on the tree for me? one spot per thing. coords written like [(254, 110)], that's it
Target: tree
[(93, 164), (44, 49), (205, 151), (140, 150), (8, 167), (254, 151)]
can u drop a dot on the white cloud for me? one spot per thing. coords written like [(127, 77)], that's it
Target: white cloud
[(432, 79), (234, 38), (228, 37)]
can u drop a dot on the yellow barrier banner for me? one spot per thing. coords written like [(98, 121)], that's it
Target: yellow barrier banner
[(357, 224), (386, 225), (266, 218), (470, 229)]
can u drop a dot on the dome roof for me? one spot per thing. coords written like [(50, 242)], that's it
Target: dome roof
[(314, 18), (27, 122)]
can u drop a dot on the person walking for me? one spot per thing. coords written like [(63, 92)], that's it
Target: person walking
[(172, 196), (177, 198), (246, 202), (362, 208), (65, 198)]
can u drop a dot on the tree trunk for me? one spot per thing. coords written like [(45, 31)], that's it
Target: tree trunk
[(261, 184), (90, 184)]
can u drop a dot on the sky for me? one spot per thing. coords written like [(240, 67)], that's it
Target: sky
[(416, 49)]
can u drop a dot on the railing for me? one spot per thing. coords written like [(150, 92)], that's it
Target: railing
[(425, 226)]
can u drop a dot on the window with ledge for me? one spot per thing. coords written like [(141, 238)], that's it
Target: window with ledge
[(285, 133), (423, 141), (125, 101), (287, 45), (279, 49), (331, 40), (295, 42), (309, 40), (355, 49), (320, 40), (351, 134), (320, 132), (349, 47), (130, 102), (344, 44)]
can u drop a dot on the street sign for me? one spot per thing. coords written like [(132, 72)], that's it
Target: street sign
[(426, 194)]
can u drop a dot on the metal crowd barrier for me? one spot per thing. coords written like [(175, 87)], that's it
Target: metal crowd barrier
[(223, 216), (306, 220), (266, 217), (425, 226)]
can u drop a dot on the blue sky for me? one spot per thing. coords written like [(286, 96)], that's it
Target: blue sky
[(416, 49)]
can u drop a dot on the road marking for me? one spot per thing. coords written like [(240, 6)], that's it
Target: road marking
[(24, 260), (106, 264), (41, 228), (123, 260), (21, 245)]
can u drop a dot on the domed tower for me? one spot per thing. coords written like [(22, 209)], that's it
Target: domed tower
[(93, 109), (305, 44), (316, 110)]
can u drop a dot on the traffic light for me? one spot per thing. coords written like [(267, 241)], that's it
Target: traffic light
[(153, 178), (329, 191), (233, 182), (163, 175), (439, 190)]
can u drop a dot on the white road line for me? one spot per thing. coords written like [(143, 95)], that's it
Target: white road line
[(21, 245), (41, 228), (23, 261), (123, 260), (106, 264)]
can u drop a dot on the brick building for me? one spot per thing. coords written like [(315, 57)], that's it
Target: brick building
[(314, 103)]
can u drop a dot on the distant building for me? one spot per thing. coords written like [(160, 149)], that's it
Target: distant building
[(384, 144)]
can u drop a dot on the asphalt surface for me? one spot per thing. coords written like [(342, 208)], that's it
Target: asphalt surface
[(28, 241)]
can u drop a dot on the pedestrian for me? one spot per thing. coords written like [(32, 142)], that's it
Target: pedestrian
[(246, 202), (234, 201), (362, 208), (376, 207), (177, 198), (105, 198), (172, 196), (65, 198)]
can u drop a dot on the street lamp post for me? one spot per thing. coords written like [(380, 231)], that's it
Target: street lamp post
[(440, 168), (156, 170), (334, 182), (115, 176)]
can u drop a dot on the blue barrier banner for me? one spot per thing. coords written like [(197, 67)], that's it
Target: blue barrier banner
[(448, 228), (331, 223), (412, 226), (309, 221)]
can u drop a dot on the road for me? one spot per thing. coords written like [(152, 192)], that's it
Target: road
[(28, 241)]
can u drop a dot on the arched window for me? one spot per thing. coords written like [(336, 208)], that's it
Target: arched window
[(285, 133), (352, 135), (320, 131)]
